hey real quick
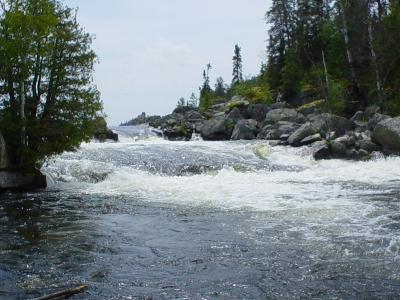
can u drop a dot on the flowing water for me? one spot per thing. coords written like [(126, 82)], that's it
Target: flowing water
[(151, 219)]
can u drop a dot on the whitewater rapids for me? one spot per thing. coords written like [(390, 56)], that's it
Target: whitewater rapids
[(212, 220)]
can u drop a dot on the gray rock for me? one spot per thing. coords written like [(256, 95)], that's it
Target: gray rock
[(275, 131), (178, 133), (217, 129), (387, 134), (338, 149), (375, 119), (352, 154), (367, 145), (311, 139), (245, 130), (12, 180), (235, 115), (193, 116), (257, 111), (328, 122), (284, 114), (358, 117), (322, 124), (284, 137), (363, 155), (320, 150), (304, 131), (172, 119), (370, 111), (347, 140)]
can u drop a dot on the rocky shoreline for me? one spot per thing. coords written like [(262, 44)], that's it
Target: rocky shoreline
[(367, 134)]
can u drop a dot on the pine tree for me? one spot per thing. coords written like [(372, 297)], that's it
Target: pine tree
[(237, 72)]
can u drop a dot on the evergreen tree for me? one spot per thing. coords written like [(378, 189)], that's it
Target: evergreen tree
[(48, 100), (237, 72), (193, 101), (206, 92), (281, 18), (220, 88), (181, 102)]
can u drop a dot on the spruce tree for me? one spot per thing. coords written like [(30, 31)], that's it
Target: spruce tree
[(237, 72)]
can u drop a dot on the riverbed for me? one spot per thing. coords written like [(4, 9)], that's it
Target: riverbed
[(152, 219)]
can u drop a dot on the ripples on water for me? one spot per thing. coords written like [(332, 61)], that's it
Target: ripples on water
[(204, 220)]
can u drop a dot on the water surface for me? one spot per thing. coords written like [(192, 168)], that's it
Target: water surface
[(147, 218)]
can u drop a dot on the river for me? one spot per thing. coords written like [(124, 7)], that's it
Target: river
[(151, 219)]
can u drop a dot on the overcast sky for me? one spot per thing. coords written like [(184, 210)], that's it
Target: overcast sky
[(152, 52)]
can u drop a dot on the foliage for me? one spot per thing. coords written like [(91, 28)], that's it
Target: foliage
[(48, 100), (253, 90), (206, 93), (343, 50), (338, 96)]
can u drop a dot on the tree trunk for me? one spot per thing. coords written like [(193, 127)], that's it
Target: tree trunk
[(350, 59), (22, 113), (374, 60)]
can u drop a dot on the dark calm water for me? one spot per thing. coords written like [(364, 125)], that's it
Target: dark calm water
[(150, 219)]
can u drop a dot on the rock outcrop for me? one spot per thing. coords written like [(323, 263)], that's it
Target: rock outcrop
[(20, 181), (102, 133)]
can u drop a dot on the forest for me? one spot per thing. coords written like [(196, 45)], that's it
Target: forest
[(342, 52)]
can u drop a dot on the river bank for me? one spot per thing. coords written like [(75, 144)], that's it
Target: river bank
[(367, 134)]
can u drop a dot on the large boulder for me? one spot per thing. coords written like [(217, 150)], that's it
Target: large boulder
[(217, 129), (245, 130), (387, 134), (235, 115), (13, 180), (304, 131), (322, 124), (375, 120), (276, 131), (327, 122), (284, 114), (257, 111), (178, 133)]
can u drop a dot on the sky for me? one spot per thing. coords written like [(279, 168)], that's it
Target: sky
[(152, 52)]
